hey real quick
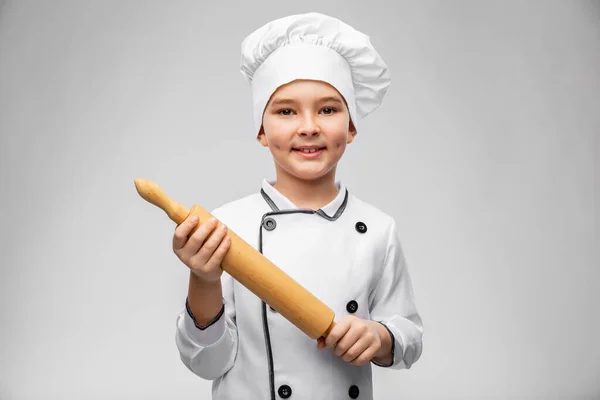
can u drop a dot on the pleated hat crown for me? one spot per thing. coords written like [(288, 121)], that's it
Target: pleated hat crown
[(318, 47)]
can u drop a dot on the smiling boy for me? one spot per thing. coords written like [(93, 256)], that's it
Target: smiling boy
[(306, 126), (312, 77)]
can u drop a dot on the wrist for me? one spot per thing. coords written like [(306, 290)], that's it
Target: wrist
[(385, 350), (203, 325), (197, 280), (205, 299)]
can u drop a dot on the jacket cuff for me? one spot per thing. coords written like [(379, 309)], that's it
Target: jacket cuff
[(208, 334), (393, 348)]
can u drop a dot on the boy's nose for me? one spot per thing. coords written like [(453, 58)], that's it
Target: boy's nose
[(309, 128), (314, 132)]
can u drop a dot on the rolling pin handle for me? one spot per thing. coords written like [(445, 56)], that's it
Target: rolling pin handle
[(153, 194)]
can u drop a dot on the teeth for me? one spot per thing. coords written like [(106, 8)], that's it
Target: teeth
[(308, 150)]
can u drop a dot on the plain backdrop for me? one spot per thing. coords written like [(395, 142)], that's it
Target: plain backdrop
[(485, 150)]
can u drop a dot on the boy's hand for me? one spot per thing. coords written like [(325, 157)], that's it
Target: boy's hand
[(203, 251), (355, 340)]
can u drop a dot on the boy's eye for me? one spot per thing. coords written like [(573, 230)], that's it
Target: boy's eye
[(288, 111), (285, 111)]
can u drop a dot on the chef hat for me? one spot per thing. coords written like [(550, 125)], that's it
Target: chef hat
[(317, 47)]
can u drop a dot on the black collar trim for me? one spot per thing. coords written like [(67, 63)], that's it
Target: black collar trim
[(319, 212)]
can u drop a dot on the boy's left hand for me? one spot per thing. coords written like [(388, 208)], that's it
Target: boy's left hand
[(355, 340)]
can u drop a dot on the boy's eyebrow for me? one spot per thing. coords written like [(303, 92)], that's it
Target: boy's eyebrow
[(330, 98), (280, 101)]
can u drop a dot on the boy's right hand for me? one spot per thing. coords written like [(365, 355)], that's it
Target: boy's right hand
[(200, 253)]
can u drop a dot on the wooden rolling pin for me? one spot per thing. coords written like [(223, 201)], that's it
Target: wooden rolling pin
[(253, 270)]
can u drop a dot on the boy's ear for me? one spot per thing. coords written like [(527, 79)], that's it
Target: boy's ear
[(351, 132), (262, 138)]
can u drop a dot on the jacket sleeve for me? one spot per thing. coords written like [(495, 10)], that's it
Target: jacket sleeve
[(209, 351), (392, 304)]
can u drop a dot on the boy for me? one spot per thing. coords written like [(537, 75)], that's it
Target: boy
[(312, 77)]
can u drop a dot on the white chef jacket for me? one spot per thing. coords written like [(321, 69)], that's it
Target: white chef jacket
[(349, 256)]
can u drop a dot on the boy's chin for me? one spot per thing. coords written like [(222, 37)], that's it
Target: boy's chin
[(309, 175)]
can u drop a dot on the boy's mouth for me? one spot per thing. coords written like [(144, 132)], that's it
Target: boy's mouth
[(308, 151)]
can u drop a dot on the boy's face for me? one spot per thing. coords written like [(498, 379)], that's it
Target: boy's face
[(306, 126)]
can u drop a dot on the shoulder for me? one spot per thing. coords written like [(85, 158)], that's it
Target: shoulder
[(380, 223), (378, 217), (242, 211)]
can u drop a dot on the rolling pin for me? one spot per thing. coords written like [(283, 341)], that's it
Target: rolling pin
[(253, 270)]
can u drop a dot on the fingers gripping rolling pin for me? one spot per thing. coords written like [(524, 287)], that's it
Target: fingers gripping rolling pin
[(253, 270)]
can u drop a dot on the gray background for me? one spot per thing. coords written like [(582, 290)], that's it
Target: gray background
[(485, 150)]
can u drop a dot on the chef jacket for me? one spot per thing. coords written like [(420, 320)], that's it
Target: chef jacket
[(348, 255)]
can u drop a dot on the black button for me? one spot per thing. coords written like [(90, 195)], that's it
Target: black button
[(269, 224), (352, 306), (284, 391), (361, 227), (353, 392)]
